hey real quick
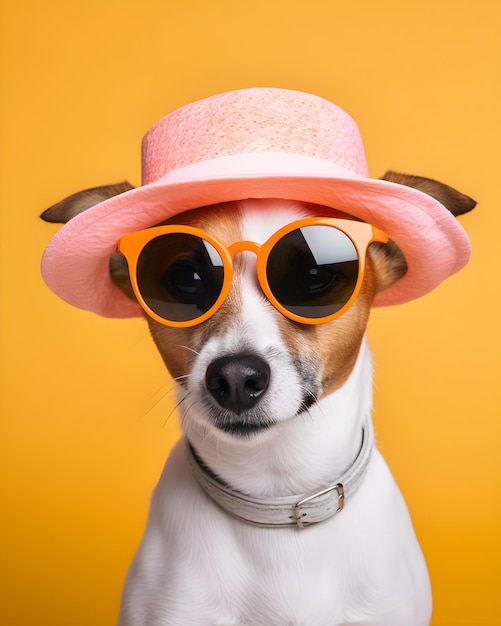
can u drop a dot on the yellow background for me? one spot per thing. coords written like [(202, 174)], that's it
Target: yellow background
[(85, 402)]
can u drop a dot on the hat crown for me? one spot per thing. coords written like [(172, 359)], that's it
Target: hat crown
[(252, 121)]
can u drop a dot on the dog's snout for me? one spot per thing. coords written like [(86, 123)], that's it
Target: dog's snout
[(238, 382)]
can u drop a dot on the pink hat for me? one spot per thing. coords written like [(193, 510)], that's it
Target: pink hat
[(253, 143)]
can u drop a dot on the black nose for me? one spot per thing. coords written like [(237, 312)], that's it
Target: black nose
[(238, 382)]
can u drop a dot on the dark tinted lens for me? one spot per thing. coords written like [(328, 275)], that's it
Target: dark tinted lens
[(180, 276), (313, 271)]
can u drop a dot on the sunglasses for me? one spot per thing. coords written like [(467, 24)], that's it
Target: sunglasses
[(311, 270)]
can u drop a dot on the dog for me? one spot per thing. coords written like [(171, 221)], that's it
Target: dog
[(275, 507)]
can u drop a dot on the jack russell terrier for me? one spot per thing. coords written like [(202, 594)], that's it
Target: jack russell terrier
[(256, 246)]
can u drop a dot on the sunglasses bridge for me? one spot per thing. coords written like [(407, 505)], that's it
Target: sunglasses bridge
[(244, 246)]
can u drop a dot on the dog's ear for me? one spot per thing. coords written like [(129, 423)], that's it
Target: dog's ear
[(457, 202), (119, 272), (73, 205), (389, 261)]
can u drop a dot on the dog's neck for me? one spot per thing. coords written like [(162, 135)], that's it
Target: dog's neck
[(300, 454)]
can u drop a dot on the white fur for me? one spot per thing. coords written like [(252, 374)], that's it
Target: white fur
[(198, 566)]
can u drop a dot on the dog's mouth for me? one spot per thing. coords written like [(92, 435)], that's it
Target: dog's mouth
[(243, 425)]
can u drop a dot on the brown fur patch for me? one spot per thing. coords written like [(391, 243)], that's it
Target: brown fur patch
[(332, 347), (178, 346)]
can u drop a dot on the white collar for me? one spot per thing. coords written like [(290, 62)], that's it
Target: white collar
[(290, 511)]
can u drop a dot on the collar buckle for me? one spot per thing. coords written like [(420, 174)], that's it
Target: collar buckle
[(299, 516)]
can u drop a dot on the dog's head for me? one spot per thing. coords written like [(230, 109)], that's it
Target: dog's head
[(249, 366)]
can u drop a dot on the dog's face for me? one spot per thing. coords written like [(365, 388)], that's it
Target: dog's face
[(249, 367)]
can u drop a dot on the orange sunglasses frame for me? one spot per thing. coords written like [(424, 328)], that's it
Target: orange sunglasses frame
[(361, 235)]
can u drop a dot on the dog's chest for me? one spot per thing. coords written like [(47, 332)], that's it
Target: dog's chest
[(292, 579)]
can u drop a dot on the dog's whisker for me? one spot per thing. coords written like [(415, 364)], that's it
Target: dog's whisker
[(165, 390), (310, 395), (174, 409), (305, 414), (187, 422), (180, 377), (195, 352), (164, 394)]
